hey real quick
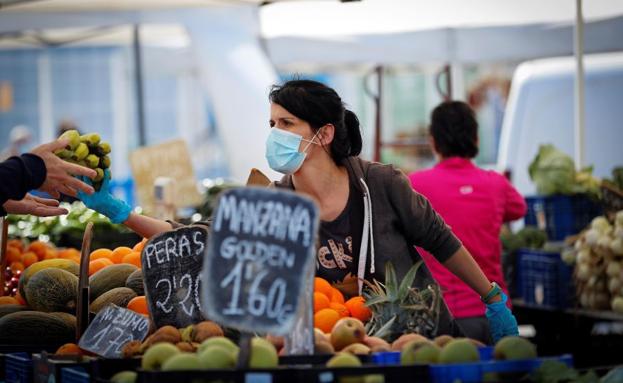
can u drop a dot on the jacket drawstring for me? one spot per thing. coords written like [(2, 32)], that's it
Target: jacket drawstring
[(367, 231)]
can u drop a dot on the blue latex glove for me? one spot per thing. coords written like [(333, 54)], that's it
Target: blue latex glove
[(104, 202), (502, 322)]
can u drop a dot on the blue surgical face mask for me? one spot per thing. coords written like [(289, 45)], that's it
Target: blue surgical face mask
[(282, 150)]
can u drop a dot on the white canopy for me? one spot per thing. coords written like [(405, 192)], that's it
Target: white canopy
[(412, 31)]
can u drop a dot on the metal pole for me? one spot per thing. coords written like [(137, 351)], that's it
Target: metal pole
[(379, 106), (138, 85), (579, 125)]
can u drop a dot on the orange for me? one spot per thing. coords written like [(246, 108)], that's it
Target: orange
[(340, 308), (19, 299), (133, 258), (13, 255), (16, 266), (16, 243), (325, 319), (98, 264), (38, 248), (117, 255), (28, 258), (139, 246), (322, 286), (358, 309), (336, 296), (320, 302), (139, 305), (8, 301), (50, 254), (100, 253), (69, 253), (69, 349)]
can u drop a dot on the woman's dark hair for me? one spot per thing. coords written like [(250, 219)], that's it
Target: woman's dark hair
[(320, 105), (455, 130)]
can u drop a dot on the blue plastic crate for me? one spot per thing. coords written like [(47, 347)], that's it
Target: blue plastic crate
[(474, 372), (544, 279), (75, 375), (18, 368), (561, 215), (393, 357)]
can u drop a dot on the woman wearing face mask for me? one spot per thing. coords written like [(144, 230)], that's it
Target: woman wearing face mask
[(369, 213)]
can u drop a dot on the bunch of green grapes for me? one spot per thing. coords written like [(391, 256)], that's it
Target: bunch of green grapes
[(86, 150)]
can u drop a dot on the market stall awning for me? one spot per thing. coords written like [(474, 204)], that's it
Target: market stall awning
[(398, 32)]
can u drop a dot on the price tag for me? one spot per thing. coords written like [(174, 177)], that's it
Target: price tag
[(262, 243), (111, 329), (172, 276)]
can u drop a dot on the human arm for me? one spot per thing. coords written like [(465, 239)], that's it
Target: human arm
[(40, 207), (514, 203), (104, 202), (146, 226)]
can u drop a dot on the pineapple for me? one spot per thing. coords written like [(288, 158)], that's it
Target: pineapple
[(400, 308)]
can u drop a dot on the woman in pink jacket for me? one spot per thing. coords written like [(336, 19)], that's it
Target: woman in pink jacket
[(473, 202)]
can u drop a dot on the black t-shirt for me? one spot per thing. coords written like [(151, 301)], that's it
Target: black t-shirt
[(337, 257)]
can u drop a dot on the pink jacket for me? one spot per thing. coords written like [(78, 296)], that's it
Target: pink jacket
[(474, 203)]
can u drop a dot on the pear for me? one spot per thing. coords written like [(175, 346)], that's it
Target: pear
[(124, 377), (442, 340), (263, 354), (157, 355), (220, 341), (514, 348), (357, 349), (204, 330), (182, 362), (460, 350), (81, 152), (420, 352), (404, 339), (91, 139), (92, 161), (323, 347), (217, 357)]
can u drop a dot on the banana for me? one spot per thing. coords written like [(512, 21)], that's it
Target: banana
[(63, 153), (74, 138), (91, 139), (99, 176), (105, 162), (92, 161), (81, 152), (103, 148)]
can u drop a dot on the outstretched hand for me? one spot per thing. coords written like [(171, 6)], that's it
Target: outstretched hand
[(41, 207), (60, 173)]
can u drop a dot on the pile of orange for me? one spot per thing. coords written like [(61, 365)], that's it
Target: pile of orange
[(101, 258), (139, 305), (19, 256), (330, 306)]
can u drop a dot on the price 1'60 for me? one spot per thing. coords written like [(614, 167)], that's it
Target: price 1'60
[(173, 286), (269, 303)]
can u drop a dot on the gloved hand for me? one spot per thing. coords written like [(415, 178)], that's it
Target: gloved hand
[(502, 322), (104, 202)]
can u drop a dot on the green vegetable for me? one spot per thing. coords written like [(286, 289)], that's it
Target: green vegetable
[(552, 171), (528, 237)]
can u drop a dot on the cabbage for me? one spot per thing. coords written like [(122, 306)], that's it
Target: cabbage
[(552, 171)]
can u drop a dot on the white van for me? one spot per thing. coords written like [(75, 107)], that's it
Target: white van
[(540, 110)]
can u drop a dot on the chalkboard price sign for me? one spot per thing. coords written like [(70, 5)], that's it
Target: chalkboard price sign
[(261, 244), (172, 276), (111, 329)]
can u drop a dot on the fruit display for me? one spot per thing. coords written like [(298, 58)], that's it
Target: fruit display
[(86, 150), (598, 257), (330, 305), (398, 307)]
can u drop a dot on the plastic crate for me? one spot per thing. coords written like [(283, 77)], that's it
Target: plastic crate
[(49, 367), (561, 215), (299, 374), (75, 375), (102, 369), (393, 357), (544, 279), (18, 368), (475, 372)]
